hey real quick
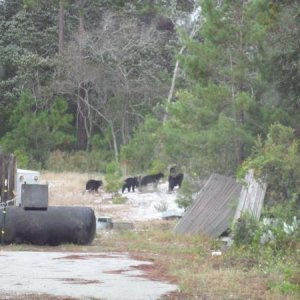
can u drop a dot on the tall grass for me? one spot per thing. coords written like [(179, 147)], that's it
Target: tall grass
[(68, 188)]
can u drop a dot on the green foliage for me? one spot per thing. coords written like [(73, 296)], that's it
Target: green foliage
[(118, 199), (157, 166), (282, 269), (37, 130), (287, 288), (184, 200), (216, 119), (282, 52), (276, 161), (113, 178), (201, 135), (284, 211), (31, 31), (28, 42), (190, 185), (28, 55), (288, 268), (280, 235), (244, 230), (23, 159), (113, 168), (144, 147)]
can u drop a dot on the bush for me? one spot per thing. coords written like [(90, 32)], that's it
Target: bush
[(190, 187), (118, 199), (280, 235), (38, 128), (143, 148), (276, 161), (113, 177), (271, 246), (245, 230)]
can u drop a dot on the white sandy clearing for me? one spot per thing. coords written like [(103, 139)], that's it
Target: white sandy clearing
[(68, 189), (149, 204)]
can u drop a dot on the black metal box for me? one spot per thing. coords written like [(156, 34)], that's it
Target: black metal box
[(34, 196)]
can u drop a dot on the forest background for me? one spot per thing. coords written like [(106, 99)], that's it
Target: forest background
[(209, 86)]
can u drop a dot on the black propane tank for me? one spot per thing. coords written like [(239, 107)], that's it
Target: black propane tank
[(52, 226)]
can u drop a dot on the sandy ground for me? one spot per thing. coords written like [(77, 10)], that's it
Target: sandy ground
[(68, 189), (150, 204)]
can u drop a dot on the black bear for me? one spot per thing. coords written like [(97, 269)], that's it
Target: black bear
[(151, 179), (173, 170), (93, 185), (175, 180), (130, 183)]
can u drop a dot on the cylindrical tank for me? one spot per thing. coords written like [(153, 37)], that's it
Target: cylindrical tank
[(54, 226)]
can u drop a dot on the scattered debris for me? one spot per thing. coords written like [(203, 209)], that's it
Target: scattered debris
[(216, 253), (171, 214)]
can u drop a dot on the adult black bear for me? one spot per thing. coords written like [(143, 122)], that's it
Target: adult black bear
[(93, 185), (130, 183), (151, 179), (175, 180)]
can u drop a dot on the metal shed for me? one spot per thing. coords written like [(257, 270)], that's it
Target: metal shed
[(213, 209)]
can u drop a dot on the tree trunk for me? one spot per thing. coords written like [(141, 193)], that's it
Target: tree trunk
[(61, 25), (241, 144), (81, 132), (124, 126), (176, 68), (172, 88), (115, 143)]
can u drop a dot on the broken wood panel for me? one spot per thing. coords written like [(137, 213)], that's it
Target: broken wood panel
[(213, 209), (252, 197)]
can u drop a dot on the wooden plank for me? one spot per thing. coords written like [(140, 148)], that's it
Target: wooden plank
[(252, 197)]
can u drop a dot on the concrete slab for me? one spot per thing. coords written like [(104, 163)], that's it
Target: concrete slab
[(78, 275)]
